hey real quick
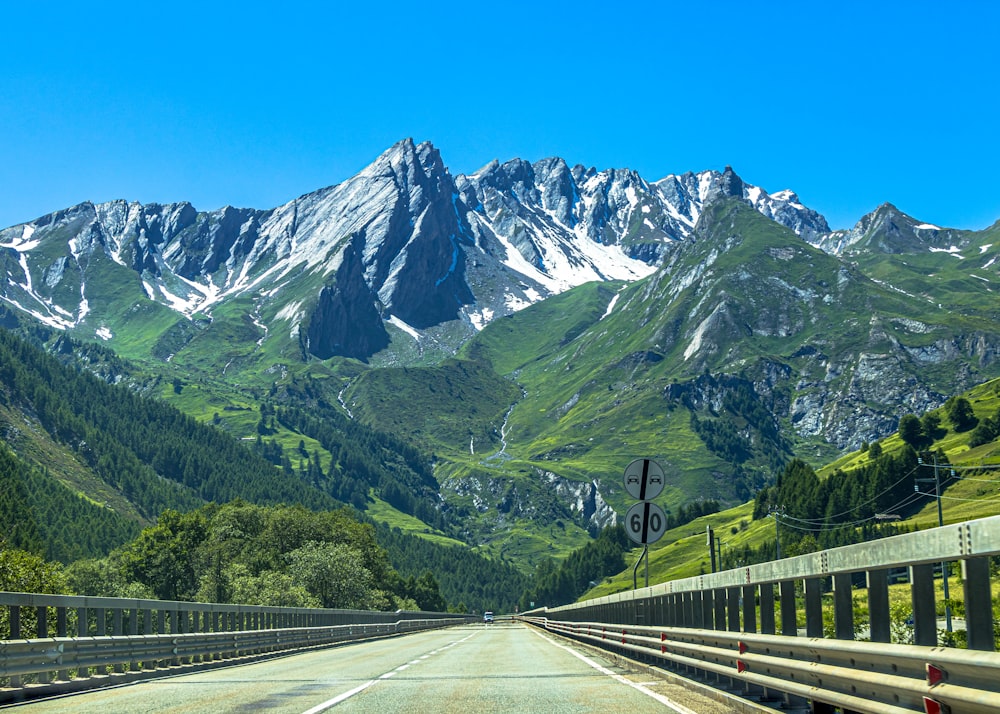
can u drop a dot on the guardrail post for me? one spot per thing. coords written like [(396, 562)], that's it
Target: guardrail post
[(147, 629), (749, 608), (733, 608), (719, 607), (879, 621), (814, 607), (42, 623), (15, 634), (676, 610), (767, 608), (717, 618), (924, 611), (707, 609), (117, 630), (978, 604), (61, 631), (789, 621), (133, 629), (843, 607)]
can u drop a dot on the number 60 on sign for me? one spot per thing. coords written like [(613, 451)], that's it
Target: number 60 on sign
[(645, 523)]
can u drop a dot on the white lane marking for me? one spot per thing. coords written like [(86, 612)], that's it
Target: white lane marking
[(329, 703), (339, 698), (679, 708)]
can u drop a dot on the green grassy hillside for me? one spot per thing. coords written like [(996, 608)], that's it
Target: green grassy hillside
[(973, 493)]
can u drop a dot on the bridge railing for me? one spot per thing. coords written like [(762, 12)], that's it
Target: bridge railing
[(62, 643), (773, 626)]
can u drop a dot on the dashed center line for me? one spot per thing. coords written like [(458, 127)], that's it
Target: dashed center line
[(330, 703)]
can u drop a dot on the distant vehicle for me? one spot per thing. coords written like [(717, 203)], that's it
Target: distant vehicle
[(488, 616)]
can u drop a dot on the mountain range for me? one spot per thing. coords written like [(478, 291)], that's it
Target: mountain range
[(531, 327)]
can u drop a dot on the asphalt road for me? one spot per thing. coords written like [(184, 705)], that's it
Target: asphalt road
[(472, 668)]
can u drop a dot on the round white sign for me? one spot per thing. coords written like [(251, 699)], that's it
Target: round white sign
[(645, 523), (644, 479)]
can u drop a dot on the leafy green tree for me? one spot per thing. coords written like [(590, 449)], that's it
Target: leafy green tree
[(270, 587), (982, 434), (162, 556), (24, 572), (960, 413), (931, 424), (335, 574), (911, 431), (104, 577)]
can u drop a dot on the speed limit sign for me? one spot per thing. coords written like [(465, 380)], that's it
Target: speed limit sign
[(645, 523)]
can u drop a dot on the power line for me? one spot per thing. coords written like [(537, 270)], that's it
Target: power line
[(967, 500), (874, 498)]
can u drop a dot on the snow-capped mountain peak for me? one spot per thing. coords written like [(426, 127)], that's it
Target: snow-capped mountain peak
[(403, 242)]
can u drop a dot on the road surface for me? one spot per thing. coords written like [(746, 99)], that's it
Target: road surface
[(505, 667)]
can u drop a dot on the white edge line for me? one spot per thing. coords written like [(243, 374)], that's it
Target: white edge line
[(680, 708)]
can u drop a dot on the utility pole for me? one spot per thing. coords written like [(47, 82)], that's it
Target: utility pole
[(944, 566), (711, 544)]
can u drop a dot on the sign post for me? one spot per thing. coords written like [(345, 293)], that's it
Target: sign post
[(645, 522)]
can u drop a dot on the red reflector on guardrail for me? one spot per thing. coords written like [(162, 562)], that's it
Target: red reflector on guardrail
[(742, 646), (741, 666), (934, 674), (934, 707), (663, 637), (623, 636)]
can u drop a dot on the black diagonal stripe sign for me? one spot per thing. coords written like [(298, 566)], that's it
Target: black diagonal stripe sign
[(644, 479)]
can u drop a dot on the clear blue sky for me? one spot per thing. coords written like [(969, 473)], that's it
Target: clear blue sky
[(850, 104)]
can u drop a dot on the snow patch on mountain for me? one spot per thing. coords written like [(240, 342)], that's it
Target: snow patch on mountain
[(953, 250), (23, 243), (408, 329), (481, 318), (611, 305)]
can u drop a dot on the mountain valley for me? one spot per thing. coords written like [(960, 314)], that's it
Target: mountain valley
[(522, 333)]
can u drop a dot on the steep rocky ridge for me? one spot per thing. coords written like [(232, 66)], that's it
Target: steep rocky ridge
[(433, 249)]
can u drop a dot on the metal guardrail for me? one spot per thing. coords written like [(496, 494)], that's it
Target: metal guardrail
[(710, 623), (889, 679), (98, 640)]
